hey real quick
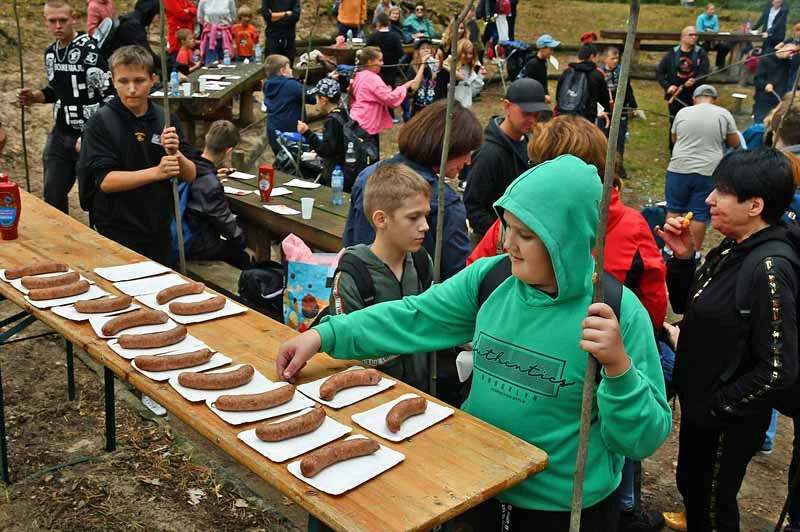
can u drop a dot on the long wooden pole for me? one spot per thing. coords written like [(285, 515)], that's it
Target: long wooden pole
[(167, 122), (305, 84), (440, 205), (22, 107), (598, 296)]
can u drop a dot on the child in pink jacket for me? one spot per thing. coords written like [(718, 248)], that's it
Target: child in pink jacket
[(96, 11)]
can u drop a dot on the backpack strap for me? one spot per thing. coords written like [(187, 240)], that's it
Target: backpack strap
[(352, 265), (422, 263)]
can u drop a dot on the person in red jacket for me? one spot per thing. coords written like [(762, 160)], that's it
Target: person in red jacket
[(181, 14)]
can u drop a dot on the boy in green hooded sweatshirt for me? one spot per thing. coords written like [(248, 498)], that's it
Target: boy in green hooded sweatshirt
[(531, 337)]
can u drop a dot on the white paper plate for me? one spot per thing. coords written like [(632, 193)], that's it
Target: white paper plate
[(17, 283), (217, 360), (149, 285), (69, 312), (344, 476), (190, 343), (280, 451), (136, 270), (374, 420), (93, 293), (259, 383), (231, 308), (347, 396), (97, 323), (298, 402)]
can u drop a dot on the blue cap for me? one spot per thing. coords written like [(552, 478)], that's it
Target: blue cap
[(547, 41)]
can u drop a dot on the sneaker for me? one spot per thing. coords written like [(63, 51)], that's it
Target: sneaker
[(766, 449), (395, 120), (636, 520)]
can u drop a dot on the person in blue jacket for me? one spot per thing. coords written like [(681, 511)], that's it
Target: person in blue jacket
[(420, 143), (284, 98)]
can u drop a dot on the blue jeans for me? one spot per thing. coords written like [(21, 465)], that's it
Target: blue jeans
[(769, 441), (623, 130), (627, 497), (217, 54)]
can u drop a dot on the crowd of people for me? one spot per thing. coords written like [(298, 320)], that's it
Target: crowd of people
[(517, 249)]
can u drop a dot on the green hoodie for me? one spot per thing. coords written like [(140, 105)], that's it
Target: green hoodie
[(529, 369)]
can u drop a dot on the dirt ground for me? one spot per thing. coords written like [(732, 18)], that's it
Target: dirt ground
[(162, 475)]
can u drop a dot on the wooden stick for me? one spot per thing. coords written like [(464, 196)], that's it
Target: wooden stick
[(305, 84), (167, 122), (440, 207), (598, 296), (22, 107)]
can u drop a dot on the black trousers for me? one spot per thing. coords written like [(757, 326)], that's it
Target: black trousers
[(157, 247), (712, 462), (60, 160), (494, 516), (282, 43), (223, 250)]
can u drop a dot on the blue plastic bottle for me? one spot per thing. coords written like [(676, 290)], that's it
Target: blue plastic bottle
[(259, 54), (337, 186), (174, 84)]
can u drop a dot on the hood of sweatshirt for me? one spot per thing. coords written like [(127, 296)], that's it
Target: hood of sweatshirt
[(273, 86), (559, 200), (584, 66)]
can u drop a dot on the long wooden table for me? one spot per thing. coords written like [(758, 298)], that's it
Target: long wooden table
[(447, 468), (322, 232), (218, 103)]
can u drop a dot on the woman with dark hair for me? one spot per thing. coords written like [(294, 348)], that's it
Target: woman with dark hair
[(731, 363), (420, 143)]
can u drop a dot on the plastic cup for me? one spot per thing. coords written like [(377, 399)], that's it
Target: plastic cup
[(306, 206), (187, 89)]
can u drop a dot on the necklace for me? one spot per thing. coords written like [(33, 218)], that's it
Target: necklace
[(66, 49)]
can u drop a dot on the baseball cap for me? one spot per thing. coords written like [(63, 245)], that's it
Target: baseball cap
[(705, 90), (528, 94), (327, 87), (547, 41)]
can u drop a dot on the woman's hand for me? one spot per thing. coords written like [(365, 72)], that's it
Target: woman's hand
[(601, 337), (293, 355), (677, 236)]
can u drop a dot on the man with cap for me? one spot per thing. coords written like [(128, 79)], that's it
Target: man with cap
[(700, 133), (536, 68), (504, 153), (332, 146)]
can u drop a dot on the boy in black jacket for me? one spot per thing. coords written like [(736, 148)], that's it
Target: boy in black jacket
[(596, 88), (208, 213), (127, 159)]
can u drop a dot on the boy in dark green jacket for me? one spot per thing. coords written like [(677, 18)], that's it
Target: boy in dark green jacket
[(396, 202)]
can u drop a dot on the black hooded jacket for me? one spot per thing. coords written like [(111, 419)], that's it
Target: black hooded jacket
[(727, 368), (494, 166)]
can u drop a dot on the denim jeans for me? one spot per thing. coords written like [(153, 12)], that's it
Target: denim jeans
[(60, 160), (769, 440)]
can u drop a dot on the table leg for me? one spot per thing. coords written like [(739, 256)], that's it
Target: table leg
[(3, 449), (736, 72), (246, 108), (111, 428), (70, 372)]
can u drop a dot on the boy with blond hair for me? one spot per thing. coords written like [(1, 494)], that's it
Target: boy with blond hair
[(245, 35), (395, 265), (185, 58), (284, 97)]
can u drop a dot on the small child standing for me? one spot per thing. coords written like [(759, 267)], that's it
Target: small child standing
[(208, 213), (245, 35), (283, 98), (216, 17), (185, 59), (395, 265)]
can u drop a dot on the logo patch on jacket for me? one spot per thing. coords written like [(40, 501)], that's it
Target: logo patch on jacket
[(140, 136)]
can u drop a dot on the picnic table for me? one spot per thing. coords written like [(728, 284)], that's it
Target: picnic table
[(447, 469), (322, 232), (240, 79)]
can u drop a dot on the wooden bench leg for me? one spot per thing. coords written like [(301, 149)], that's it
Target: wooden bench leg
[(70, 372), (246, 108), (111, 426), (3, 450)]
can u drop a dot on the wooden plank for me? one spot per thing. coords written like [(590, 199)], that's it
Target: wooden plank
[(676, 35), (448, 468)]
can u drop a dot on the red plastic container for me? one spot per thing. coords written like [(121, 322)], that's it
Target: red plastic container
[(10, 208), (266, 182)]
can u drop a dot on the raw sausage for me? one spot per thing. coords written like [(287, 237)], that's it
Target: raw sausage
[(336, 452), (57, 292), (198, 307), (136, 318), (168, 294), (35, 269), (296, 426), (413, 406), (148, 341), (31, 282), (348, 379), (255, 401), (170, 362), (218, 381), (106, 304)]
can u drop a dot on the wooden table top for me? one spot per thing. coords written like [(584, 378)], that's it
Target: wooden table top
[(322, 232), (675, 35), (448, 468), (248, 76)]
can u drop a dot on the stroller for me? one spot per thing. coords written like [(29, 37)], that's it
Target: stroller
[(296, 157)]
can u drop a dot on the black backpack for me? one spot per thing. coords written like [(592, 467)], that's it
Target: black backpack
[(573, 93), (261, 287), (363, 144)]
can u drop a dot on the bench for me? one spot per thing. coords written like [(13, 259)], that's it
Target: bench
[(216, 274)]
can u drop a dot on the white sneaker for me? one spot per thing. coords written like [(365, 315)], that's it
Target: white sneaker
[(154, 407)]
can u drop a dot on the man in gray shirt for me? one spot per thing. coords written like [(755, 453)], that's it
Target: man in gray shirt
[(700, 133)]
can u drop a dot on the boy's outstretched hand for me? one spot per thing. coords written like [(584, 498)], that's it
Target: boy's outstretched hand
[(601, 337), (293, 355)]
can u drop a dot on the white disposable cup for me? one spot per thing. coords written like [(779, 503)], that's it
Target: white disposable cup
[(202, 84), (187, 89), (306, 206)]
